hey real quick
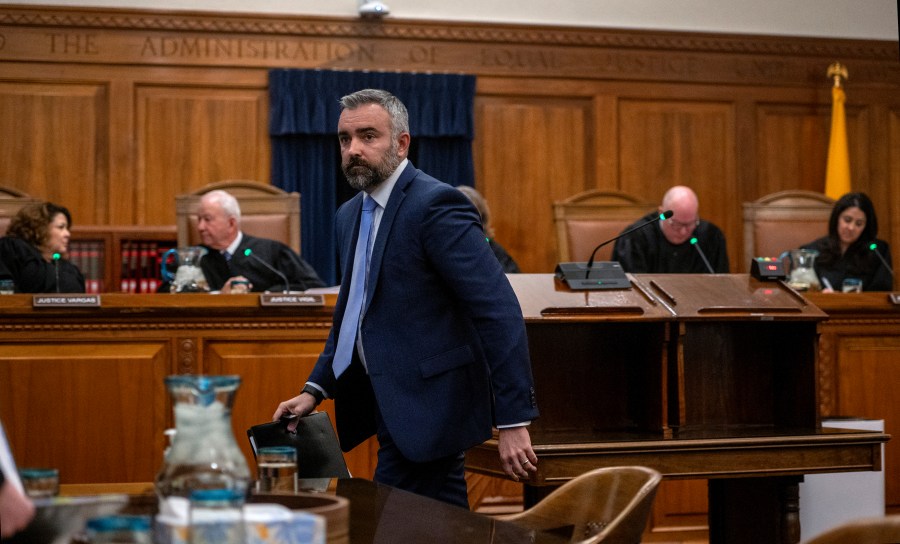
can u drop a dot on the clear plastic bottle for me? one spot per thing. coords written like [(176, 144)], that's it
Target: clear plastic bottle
[(119, 530)]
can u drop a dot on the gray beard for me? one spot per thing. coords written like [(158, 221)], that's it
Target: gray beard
[(371, 175)]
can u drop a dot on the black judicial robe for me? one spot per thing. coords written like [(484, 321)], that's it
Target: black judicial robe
[(25, 265), (648, 251), (300, 274), (858, 262)]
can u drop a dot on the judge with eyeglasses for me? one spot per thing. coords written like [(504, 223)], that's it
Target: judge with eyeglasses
[(683, 244)]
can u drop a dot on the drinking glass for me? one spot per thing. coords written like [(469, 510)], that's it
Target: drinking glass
[(40, 482), (277, 469), (852, 285)]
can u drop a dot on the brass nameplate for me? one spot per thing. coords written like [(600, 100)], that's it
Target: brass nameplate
[(62, 300), (287, 299)]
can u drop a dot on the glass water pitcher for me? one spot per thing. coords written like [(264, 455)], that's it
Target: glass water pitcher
[(188, 276), (803, 273), (204, 453)]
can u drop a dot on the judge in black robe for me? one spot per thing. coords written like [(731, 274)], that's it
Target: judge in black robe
[(299, 274), (666, 248)]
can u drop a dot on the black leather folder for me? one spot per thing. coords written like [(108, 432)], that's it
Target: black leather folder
[(319, 453)]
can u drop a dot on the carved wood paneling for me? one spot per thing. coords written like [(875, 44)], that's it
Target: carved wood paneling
[(94, 411), (524, 184), (55, 138), (893, 178), (867, 373), (805, 128), (271, 372), (680, 508), (124, 109), (185, 103), (187, 138)]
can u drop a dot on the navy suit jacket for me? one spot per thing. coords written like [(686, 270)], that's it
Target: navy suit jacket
[(442, 329)]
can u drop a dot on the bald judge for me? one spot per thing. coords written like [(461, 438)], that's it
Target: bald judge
[(666, 248)]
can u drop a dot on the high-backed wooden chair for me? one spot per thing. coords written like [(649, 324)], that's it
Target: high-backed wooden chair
[(585, 220), (266, 211), (609, 505), (11, 201), (874, 530), (783, 221)]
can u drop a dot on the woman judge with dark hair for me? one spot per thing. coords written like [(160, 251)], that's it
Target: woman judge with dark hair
[(33, 250), (846, 251)]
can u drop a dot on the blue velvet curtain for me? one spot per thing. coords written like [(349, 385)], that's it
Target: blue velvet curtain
[(305, 155)]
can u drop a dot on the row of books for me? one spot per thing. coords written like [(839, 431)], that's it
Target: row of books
[(89, 258), (141, 271)]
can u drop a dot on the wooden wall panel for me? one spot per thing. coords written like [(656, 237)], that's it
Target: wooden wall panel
[(804, 129), (271, 372), (680, 508), (84, 391), (664, 143), (890, 223), (868, 371), (56, 136), (189, 137), (146, 104), (523, 184)]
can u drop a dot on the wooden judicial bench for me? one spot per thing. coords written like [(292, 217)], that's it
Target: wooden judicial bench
[(708, 377), (711, 377), (83, 391)]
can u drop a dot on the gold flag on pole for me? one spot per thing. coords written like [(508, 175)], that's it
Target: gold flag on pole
[(837, 173)]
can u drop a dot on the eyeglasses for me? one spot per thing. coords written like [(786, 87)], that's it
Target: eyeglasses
[(678, 225)]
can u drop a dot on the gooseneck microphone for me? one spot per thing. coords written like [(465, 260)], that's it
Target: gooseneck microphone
[(249, 253), (662, 217), (702, 255), (56, 257), (874, 247)]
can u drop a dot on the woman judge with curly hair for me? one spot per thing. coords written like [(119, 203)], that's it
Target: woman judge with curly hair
[(33, 251)]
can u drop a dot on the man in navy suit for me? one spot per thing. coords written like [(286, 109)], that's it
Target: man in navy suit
[(438, 353)]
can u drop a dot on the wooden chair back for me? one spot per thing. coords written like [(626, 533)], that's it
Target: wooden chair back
[(874, 530), (587, 219), (11, 201), (783, 221), (266, 212), (609, 505)]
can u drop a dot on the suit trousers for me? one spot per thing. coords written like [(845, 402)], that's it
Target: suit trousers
[(443, 479)]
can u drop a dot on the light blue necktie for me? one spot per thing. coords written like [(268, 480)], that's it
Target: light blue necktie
[(343, 354)]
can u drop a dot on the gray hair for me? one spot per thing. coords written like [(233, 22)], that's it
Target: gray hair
[(395, 108), (226, 201)]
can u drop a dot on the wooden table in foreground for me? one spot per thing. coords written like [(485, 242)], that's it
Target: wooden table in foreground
[(378, 514), (697, 376)]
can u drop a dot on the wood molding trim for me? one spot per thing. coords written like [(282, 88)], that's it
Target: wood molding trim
[(164, 38)]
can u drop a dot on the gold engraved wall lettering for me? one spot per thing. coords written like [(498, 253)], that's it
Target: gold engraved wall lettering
[(73, 44), (631, 64), (422, 54), (519, 58), (282, 50)]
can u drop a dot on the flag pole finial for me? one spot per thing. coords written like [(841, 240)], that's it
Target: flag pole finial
[(838, 72)]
